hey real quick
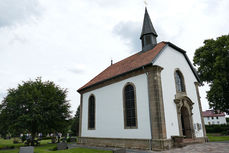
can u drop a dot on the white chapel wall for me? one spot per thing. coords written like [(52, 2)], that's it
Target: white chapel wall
[(109, 121), (171, 59)]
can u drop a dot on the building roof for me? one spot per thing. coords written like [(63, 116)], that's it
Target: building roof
[(132, 63), (147, 27), (211, 113)]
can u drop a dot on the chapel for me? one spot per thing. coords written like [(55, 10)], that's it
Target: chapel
[(149, 100)]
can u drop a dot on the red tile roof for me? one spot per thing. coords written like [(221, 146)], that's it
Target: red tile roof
[(128, 64), (211, 113)]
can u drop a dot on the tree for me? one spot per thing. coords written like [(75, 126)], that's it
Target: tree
[(227, 120), (212, 60), (34, 107), (75, 123), (3, 126)]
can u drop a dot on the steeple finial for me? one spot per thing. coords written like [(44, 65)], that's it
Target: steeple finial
[(145, 3), (148, 35)]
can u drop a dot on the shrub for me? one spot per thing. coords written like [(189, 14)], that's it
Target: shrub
[(15, 141), (7, 147), (46, 138), (225, 132), (23, 138), (223, 129), (54, 148)]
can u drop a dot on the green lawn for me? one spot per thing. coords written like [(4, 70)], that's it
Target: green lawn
[(45, 148), (213, 137), (4, 143)]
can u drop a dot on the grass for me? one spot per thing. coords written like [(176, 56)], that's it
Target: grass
[(45, 147), (9, 143), (214, 137)]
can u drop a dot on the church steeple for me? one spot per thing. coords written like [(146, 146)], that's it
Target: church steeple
[(148, 35)]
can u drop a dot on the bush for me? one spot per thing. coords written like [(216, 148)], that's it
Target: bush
[(223, 129), (15, 141), (225, 132), (54, 148), (46, 138), (7, 147), (68, 139), (23, 138)]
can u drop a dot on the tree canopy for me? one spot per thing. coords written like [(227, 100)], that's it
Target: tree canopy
[(35, 106), (75, 123), (212, 61)]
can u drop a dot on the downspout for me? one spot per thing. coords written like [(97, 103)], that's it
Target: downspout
[(150, 120)]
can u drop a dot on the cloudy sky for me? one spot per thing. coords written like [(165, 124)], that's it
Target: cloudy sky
[(71, 41)]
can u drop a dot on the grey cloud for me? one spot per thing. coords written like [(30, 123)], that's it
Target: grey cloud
[(107, 3), (76, 68), (130, 32), (211, 7), (76, 71), (17, 38), (17, 11)]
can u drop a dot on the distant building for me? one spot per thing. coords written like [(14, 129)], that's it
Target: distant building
[(210, 117)]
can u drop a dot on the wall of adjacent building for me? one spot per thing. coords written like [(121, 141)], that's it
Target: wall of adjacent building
[(109, 122), (214, 120), (171, 59)]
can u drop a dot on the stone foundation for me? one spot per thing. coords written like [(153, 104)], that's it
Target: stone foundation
[(145, 144)]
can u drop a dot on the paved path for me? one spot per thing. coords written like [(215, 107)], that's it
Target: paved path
[(210, 147)]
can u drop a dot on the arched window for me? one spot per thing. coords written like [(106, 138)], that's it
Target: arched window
[(179, 81), (130, 112), (91, 112)]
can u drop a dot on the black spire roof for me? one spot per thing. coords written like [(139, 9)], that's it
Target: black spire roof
[(147, 27)]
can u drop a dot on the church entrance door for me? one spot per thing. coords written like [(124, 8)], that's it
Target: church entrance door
[(186, 123)]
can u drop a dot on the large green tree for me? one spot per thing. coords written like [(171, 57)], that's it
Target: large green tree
[(35, 106), (212, 61), (75, 123), (3, 125)]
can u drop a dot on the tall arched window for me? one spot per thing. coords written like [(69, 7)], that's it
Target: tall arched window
[(130, 111), (179, 81), (91, 112)]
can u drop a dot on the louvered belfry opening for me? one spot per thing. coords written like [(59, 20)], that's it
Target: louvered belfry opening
[(130, 111), (91, 112), (148, 35)]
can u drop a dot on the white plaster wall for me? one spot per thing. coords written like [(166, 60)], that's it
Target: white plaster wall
[(171, 59), (220, 120), (109, 111)]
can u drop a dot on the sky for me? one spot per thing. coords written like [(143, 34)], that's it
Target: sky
[(71, 41)]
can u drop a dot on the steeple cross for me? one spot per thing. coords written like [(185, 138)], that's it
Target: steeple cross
[(145, 1)]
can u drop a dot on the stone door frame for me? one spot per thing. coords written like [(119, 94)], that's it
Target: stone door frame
[(180, 102)]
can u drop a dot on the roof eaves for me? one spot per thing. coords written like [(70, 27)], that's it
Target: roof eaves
[(79, 90)]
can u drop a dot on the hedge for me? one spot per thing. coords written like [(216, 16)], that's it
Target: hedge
[(223, 129)]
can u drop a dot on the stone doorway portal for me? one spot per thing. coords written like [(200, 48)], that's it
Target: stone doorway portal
[(184, 115), (185, 122)]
